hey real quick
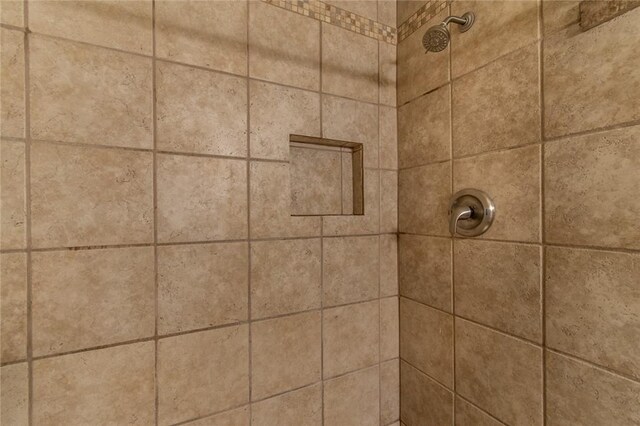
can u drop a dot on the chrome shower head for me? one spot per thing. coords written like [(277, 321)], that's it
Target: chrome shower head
[(437, 37)]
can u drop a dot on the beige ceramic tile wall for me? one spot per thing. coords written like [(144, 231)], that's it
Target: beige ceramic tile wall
[(146, 219), (545, 118)]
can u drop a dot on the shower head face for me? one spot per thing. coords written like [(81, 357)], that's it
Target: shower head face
[(436, 39)]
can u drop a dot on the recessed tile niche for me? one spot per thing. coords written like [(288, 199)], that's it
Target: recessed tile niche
[(326, 176)]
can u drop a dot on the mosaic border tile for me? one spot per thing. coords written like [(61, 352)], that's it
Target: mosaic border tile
[(427, 11), (342, 18)]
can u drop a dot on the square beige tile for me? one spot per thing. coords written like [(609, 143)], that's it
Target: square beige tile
[(200, 111), (389, 328), (482, 358), (369, 222), (500, 285), (117, 24), (498, 106), (389, 391), (353, 399), (202, 373), (89, 298), (285, 354), (284, 47), (317, 182), (406, 8), (87, 196), (420, 72), (593, 170), (421, 260), (388, 265), (349, 64), (238, 417), (423, 401), (105, 97), (271, 204), (604, 284), (587, 84), (388, 132), (285, 277), (512, 180), (277, 112), (388, 66), (13, 287), (13, 207), (387, 12), (469, 415), (350, 269), (301, 408), (423, 199), (115, 385), (210, 34), (12, 12), (202, 285), (426, 340), (424, 129), (201, 198), (14, 394), (558, 14), (351, 338), (501, 27), (12, 104), (579, 393), (352, 121), (388, 201)]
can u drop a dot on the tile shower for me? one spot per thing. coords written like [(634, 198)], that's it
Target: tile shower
[(152, 268), (538, 320)]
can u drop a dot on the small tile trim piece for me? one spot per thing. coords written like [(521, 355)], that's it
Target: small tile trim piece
[(427, 11), (337, 16)]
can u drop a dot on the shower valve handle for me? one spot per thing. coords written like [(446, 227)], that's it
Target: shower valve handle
[(471, 213), (458, 212)]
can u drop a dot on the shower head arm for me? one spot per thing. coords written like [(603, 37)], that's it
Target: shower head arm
[(465, 21), (456, 20)]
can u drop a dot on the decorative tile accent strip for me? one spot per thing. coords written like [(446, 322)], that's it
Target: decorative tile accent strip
[(427, 11), (342, 18)]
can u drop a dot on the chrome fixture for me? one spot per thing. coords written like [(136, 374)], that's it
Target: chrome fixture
[(437, 37), (471, 213)]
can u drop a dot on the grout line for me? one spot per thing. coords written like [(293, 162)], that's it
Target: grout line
[(215, 413), (475, 322), (249, 245), (453, 238), (322, 311), (15, 27), (543, 258), (154, 114), (480, 409), (266, 239), (200, 67), (592, 364), (447, 387), (529, 243), (181, 243), (190, 331), (379, 275), (322, 307), (593, 131), (27, 159), (428, 376)]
